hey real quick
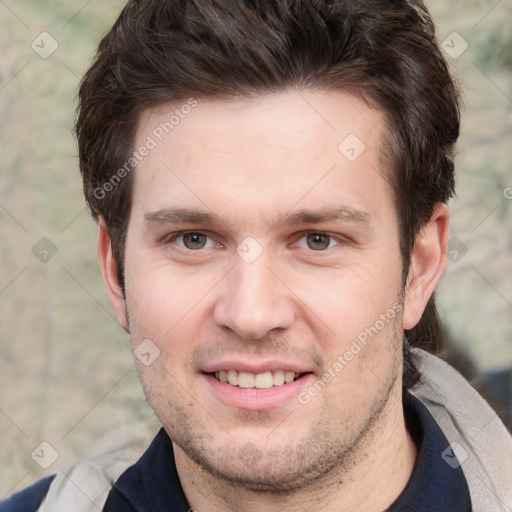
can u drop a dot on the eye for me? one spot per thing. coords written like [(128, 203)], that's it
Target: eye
[(317, 241), (193, 240)]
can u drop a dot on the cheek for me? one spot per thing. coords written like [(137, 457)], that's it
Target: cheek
[(358, 317), (173, 309), (164, 323), (353, 299), (161, 298)]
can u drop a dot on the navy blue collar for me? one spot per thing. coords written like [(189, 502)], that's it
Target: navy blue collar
[(434, 485), (152, 484)]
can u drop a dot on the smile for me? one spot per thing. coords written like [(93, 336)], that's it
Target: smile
[(263, 380)]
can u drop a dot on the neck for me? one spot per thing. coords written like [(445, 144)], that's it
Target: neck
[(381, 470)]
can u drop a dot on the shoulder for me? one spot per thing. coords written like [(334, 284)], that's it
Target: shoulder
[(474, 432), (84, 486), (30, 499)]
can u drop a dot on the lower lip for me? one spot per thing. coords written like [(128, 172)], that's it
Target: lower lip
[(257, 399)]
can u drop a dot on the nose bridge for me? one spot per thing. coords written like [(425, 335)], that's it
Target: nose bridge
[(254, 302)]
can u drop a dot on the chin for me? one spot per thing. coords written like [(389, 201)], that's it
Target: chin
[(279, 467), (279, 472)]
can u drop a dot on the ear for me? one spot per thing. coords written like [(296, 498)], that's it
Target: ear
[(108, 266), (428, 261)]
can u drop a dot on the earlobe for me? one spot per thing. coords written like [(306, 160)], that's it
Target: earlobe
[(428, 261), (108, 266)]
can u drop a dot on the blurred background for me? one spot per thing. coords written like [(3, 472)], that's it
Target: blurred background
[(66, 371)]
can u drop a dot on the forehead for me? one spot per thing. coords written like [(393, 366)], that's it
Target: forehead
[(265, 155)]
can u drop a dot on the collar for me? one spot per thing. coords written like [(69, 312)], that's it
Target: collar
[(435, 484)]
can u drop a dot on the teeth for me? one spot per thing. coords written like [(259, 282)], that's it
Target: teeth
[(233, 377), (278, 377), (263, 380), (289, 376), (245, 380)]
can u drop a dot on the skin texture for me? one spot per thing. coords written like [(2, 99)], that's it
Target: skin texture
[(252, 165)]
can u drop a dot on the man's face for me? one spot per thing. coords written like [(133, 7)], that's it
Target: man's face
[(256, 245)]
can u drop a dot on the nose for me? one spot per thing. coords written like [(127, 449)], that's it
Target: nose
[(254, 301)]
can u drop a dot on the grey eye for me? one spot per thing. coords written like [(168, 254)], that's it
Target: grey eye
[(194, 240), (318, 241)]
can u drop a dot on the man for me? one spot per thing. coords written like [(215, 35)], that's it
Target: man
[(270, 182)]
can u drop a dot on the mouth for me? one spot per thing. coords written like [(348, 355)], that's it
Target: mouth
[(264, 380), (267, 386)]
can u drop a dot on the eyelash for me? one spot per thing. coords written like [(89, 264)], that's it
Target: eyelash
[(173, 237), (336, 238), (332, 238)]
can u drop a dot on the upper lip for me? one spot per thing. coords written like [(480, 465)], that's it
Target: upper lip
[(255, 368)]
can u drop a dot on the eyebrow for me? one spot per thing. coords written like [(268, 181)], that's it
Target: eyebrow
[(191, 216), (184, 215), (328, 214)]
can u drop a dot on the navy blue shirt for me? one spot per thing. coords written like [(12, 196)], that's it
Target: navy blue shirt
[(434, 485), (152, 484)]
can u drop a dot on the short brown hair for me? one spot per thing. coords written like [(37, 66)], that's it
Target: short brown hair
[(384, 51)]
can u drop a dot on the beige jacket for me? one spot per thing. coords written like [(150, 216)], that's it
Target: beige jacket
[(478, 437)]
